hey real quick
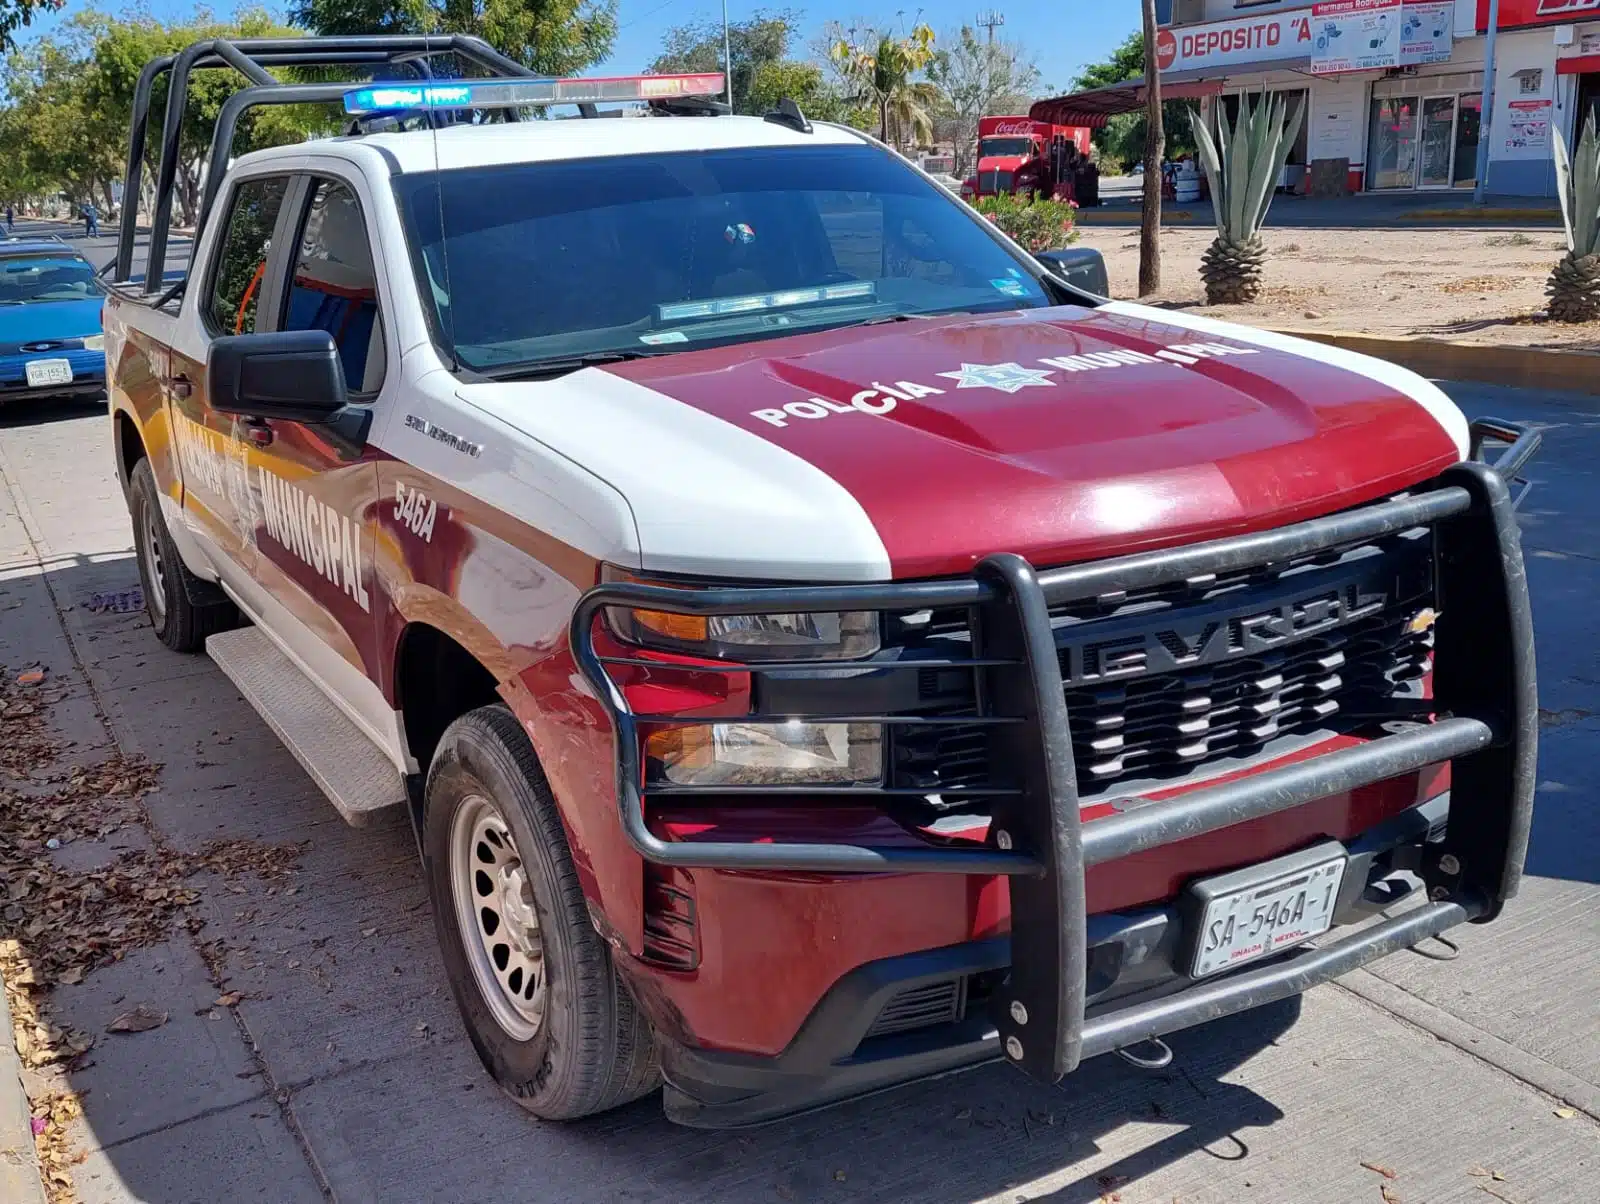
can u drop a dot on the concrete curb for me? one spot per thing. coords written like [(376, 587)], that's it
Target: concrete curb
[(1551, 368), (1451, 1029), (1479, 216), (19, 1165)]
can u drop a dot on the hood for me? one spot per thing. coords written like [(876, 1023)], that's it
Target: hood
[(43, 321), (1002, 162), (1059, 434)]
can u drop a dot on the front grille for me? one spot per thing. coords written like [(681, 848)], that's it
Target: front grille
[(1167, 682), (994, 181)]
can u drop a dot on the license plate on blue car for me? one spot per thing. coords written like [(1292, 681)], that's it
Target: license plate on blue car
[(48, 372)]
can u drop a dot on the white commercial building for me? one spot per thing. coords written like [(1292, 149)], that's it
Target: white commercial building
[(1395, 87)]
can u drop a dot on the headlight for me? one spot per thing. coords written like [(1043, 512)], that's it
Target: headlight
[(825, 636), (793, 753), (95, 342)]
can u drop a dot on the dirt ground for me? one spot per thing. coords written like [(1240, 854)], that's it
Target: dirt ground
[(1474, 285)]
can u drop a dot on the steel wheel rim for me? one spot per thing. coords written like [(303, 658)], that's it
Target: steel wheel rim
[(154, 564), (497, 918)]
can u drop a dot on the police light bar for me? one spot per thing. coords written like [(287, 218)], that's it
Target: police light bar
[(507, 94)]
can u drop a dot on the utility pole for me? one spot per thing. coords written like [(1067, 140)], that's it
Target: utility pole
[(1486, 121), (727, 54), (1155, 145), (990, 21)]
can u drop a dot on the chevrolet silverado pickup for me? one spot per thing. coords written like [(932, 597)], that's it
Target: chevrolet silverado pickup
[(819, 646)]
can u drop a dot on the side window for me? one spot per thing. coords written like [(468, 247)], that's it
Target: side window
[(335, 287), (242, 257)]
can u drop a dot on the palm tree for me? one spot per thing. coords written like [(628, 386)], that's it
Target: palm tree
[(881, 75)]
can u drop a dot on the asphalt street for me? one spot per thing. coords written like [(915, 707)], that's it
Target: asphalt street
[(344, 1073)]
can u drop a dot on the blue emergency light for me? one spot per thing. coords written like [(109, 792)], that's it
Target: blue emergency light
[(504, 94)]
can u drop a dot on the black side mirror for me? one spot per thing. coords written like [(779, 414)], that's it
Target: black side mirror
[(1082, 267), (289, 375)]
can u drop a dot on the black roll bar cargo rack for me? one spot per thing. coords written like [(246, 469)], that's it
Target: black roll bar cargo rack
[(1485, 725), (252, 57)]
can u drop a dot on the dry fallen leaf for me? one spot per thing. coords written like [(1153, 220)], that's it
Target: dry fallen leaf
[(1390, 1196), (141, 1019), (1566, 1113), (1380, 1169), (369, 932), (228, 999), (30, 678)]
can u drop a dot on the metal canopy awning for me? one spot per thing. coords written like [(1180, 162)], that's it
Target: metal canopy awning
[(1093, 108)]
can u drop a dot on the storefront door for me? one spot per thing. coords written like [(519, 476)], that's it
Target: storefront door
[(1392, 149), (1437, 151)]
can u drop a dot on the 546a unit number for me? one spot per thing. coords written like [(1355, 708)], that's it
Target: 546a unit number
[(415, 510)]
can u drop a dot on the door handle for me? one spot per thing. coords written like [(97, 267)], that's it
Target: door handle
[(257, 431), (179, 386)]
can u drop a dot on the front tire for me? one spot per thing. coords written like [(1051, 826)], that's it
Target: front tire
[(544, 1007), (168, 584)]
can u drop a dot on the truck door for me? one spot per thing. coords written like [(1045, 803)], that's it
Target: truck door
[(212, 460), (317, 503)]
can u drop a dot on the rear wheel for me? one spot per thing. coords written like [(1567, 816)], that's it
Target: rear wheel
[(168, 586), (550, 1018)]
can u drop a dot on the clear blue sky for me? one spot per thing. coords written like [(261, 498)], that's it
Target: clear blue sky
[(1060, 43)]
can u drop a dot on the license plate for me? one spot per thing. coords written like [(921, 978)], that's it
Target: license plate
[(1251, 913), (48, 372)]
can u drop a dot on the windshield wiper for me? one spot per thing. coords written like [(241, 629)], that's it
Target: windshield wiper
[(543, 369)]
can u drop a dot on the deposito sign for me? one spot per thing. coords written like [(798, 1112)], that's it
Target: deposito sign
[(1373, 35), (1267, 38)]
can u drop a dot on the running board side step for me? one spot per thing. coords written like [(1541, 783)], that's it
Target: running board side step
[(342, 760)]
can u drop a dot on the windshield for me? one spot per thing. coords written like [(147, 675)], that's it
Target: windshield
[(1005, 146), (25, 279), (655, 253)]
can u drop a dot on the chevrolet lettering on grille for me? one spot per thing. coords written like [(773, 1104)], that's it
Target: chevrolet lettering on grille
[(1221, 629)]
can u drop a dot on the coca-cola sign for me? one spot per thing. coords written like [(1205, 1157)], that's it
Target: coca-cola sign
[(1514, 13), (1023, 126)]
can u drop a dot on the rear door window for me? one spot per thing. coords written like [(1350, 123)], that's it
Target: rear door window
[(242, 258), (334, 285)]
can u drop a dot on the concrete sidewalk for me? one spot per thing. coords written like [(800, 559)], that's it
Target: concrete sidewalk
[(342, 1071)]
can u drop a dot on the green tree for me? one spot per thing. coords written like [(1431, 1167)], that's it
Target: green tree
[(54, 136), (14, 14), (980, 78), (1122, 139), (756, 45), (121, 49), (881, 70), (553, 37)]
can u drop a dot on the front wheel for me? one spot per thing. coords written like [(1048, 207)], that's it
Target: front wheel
[(179, 623), (543, 1005)]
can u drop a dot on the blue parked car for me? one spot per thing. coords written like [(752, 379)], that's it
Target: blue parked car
[(50, 339)]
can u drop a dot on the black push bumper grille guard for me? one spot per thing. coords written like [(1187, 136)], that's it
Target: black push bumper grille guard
[(1485, 725)]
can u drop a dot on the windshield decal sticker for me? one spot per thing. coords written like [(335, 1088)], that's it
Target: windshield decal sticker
[(664, 336), (1009, 377), (1010, 287), (439, 434)]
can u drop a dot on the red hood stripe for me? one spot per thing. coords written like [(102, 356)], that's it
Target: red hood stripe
[(1122, 451)]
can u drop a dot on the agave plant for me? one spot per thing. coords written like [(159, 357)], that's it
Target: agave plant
[(1242, 166), (1574, 286)]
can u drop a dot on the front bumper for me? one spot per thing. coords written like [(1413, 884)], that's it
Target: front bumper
[(1043, 1013), (1135, 983), (88, 375)]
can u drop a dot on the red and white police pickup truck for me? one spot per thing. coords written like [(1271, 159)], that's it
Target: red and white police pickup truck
[(818, 645)]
